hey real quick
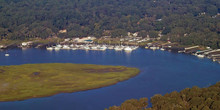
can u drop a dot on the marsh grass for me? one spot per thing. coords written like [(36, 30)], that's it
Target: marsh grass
[(20, 82)]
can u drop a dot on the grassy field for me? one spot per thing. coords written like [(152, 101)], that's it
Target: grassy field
[(20, 82), (9, 42)]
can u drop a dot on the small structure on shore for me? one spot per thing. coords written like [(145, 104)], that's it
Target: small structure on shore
[(88, 39), (3, 46), (63, 31)]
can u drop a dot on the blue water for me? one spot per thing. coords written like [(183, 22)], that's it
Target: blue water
[(161, 72)]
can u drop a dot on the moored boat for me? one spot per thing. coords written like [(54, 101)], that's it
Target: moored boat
[(127, 48), (162, 49), (49, 48), (201, 56), (66, 47), (7, 55)]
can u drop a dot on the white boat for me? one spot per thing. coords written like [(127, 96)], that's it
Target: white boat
[(127, 48), (66, 47), (60, 46), (71, 45), (134, 47), (102, 47), (94, 48), (153, 48), (74, 48), (86, 47), (57, 48), (162, 49), (201, 56), (49, 48), (77, 46), (98, 46), (110, 47), (118, 48), (181, 51), (1, 46), (7, 55)]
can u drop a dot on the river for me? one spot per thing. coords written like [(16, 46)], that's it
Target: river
[(161, 72)]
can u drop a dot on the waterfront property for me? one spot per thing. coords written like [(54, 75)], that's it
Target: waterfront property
[(207, 52)]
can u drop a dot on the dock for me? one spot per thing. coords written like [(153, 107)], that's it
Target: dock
[(190, 50)]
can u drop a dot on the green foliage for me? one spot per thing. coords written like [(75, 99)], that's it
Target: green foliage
[(197, 20), (132, 104), (187, 99), (193, 99), (119, 33), (153, 34)]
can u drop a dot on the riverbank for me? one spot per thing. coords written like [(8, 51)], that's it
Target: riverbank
[(187, 99), (26, 81), (159, 68), (31, 43), (112, 43)]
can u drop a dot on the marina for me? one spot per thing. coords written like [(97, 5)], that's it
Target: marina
[(92, 47), (159, 71), (213, 54), (110, 55)]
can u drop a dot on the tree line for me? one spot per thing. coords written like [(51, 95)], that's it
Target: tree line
[(194, 98), (185, 21)]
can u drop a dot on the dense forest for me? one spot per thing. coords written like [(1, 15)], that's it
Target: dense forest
[(185, 21), (187, 99)]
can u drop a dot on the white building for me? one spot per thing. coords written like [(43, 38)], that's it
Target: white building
[(63, 31)]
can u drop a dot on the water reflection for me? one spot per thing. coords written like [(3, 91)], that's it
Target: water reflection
[(128, 53), (23, 48)]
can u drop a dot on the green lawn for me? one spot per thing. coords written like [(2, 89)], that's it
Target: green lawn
[(20, 82)]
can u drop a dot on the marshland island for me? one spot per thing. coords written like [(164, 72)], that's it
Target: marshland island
[(20, 82)]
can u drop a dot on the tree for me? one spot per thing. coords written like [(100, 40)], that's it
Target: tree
[(118, 33), (153, 34)]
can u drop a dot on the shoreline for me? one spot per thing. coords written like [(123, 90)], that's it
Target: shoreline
[(199, 51), (105, 84), (44, 96)]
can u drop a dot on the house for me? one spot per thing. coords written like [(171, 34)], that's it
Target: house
[(135, 34), (88, 39), (92, 38), (203, 13), (63, 31), (159, 19), (66, 40), (132, 34)]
